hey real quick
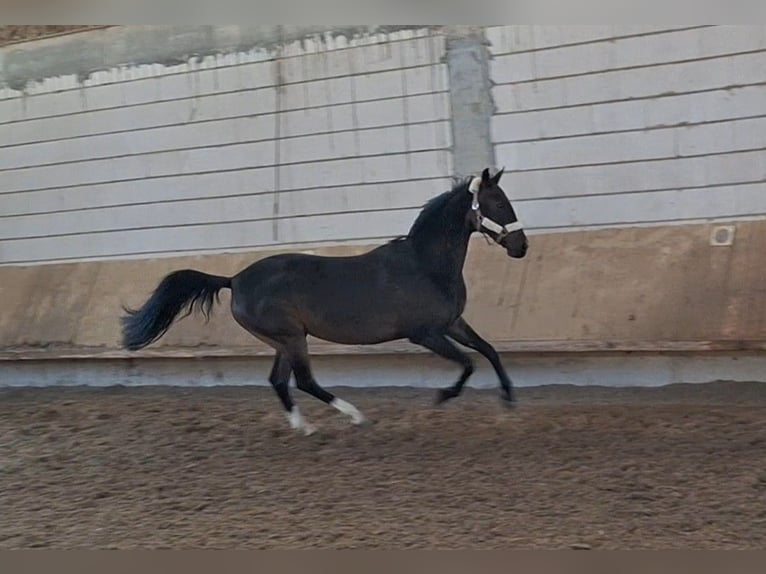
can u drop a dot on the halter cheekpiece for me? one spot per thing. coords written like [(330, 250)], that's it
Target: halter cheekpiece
[(482, 221)]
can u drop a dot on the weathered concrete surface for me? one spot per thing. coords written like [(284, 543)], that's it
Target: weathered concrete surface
[(649, 289), (83, 54), (16, 34)]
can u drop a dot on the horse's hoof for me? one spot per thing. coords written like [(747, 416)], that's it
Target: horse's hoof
[(361, 421), (508, 402), (443, 395)]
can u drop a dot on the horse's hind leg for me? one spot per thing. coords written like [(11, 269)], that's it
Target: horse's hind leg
[(296, 351), (280, 380), (269, 321), (280, 371)]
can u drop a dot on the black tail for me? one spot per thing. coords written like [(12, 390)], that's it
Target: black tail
[(181, 289)]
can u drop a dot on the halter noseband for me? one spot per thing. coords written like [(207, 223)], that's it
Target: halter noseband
[(482, 221)]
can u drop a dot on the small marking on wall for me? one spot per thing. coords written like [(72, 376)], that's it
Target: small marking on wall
[(722, 235)]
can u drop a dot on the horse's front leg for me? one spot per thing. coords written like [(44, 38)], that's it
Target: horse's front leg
[(462, 332), (442, 346)]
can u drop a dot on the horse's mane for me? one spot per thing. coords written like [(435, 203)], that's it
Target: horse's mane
[(433, 207)]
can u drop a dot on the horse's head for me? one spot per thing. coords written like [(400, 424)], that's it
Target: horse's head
[(492, 214)]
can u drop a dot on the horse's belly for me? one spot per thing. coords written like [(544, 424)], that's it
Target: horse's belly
[(374, 321), (353, 329)]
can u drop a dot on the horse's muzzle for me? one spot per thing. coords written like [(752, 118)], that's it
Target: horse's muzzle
[(517, 250)]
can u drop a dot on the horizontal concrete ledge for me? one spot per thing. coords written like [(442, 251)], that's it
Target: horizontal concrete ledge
[(331, 350), (417, 371)]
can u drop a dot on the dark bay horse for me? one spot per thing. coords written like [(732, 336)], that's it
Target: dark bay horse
[(409, 288)]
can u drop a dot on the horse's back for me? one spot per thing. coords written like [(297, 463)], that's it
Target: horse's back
[(370, 297)]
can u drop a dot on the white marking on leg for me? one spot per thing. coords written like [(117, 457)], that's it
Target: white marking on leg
[(297, 422), (347, 408)]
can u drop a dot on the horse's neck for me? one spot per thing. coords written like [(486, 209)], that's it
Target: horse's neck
[(444, 247)]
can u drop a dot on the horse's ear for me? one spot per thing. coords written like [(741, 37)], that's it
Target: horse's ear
[(498, 175), (485, 179)]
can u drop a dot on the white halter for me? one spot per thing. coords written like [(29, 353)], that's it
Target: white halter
[(500, 230)]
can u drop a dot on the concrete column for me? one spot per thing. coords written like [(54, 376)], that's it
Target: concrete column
[(470, 98)]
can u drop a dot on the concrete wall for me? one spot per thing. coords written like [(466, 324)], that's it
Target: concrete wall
[(288, 141), (662, 288), (635, 155), (624, 125), (284, 143)]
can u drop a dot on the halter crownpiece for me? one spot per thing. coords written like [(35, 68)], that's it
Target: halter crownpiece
[(486, 222)]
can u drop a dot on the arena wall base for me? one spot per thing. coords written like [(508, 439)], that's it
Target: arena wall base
[(612, 370)]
